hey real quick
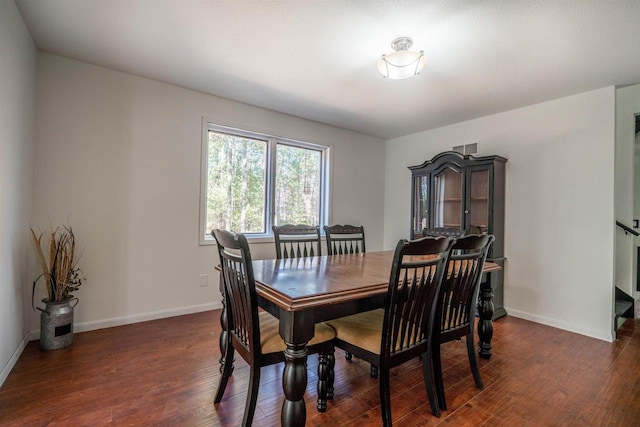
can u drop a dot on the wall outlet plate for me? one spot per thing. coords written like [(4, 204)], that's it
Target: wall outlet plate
[(204, 280)]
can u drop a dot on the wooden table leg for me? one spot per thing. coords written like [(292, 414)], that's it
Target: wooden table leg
[(296, 329), (485, 322), (326, 363), (294, 383)]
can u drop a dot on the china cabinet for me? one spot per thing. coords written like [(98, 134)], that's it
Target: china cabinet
[(465, 192)]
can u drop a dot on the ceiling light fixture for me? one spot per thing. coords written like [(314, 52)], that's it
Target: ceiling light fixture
[(403, 63)]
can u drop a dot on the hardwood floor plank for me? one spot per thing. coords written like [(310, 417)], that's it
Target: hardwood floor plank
[(165, 373)]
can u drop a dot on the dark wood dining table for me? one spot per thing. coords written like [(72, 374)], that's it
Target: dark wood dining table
[(304, 291)]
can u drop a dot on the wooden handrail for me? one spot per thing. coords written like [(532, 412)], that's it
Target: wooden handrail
[(627, 229)]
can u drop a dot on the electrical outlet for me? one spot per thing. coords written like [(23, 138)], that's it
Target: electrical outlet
[(204, 280)]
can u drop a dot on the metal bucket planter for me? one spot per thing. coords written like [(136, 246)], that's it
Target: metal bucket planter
[(56, 323)]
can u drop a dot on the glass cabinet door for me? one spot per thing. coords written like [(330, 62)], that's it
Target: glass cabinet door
[(420, 205), (478, 212), (447, 199)]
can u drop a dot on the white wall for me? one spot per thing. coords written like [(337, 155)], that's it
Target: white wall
[(627, 106), (118, 157), (559, 224), (636, 215), (17, 88)]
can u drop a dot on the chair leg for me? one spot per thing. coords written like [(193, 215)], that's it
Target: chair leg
[(437, 373), (385, 397), (252, 395), (471, 351), (226, 369), (374, 371), (429, 382), (323, 379), (330, 380)]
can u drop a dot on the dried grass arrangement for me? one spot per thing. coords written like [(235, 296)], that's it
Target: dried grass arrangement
[(59, 264)]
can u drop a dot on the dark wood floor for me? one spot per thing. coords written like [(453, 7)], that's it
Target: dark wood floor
[(165, 372)]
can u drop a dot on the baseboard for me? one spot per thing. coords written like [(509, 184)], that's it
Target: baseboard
[(560, 325), (498, 313), (135, 318), (14, 358)]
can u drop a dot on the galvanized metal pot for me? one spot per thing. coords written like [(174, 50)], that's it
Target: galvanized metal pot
[(56, 323)]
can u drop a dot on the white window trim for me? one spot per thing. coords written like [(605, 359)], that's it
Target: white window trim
[(207, 125)]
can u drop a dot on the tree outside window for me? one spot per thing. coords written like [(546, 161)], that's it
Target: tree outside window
[(298, 185)]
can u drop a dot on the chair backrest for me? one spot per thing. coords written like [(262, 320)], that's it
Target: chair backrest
[(239, 290), (297, 241), (416, 275), (460, 285), (344, 239), (442, 231)]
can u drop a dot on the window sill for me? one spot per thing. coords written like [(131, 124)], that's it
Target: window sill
[(210, 241)]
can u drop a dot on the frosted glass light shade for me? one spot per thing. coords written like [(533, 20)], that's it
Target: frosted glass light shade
[(403, 63)]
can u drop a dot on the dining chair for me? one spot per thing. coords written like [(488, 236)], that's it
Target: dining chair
[(255, 336), (443, 231), (347, 239), (297, 241), (456, 306), (403, 330), (344, 239)]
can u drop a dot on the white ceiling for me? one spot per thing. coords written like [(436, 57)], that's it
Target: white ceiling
[(317, 59)]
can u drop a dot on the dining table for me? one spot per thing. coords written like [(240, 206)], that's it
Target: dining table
[(301, 292)]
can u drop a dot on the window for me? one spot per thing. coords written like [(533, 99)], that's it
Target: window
[(251, 181)]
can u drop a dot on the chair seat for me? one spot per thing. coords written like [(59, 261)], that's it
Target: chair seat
[(363, 330), (272, 342)]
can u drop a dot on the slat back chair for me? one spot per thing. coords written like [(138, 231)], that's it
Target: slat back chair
[(344, 239), (403, 329), (443, 231), (454, 233), (297, 241), (457, 302), (255, 336)]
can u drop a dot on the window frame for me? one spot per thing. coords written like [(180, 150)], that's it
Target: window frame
[(272, 142)]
